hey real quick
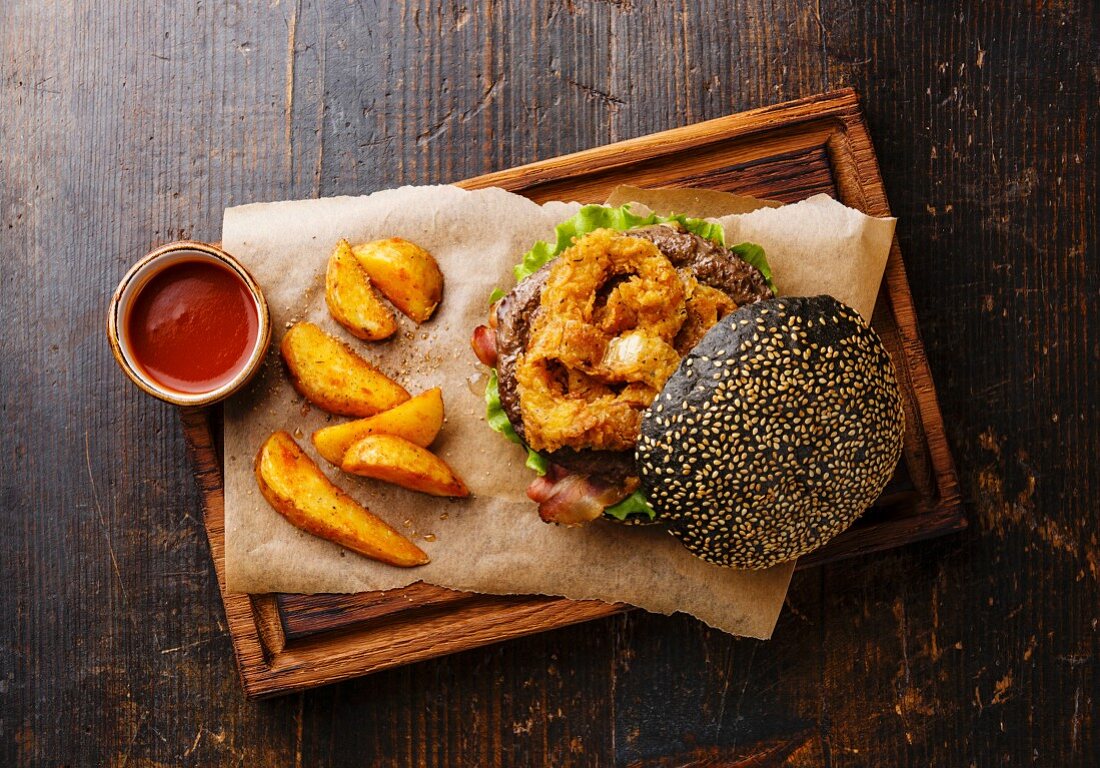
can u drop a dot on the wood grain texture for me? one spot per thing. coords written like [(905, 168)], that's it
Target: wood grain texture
[(127, 124)]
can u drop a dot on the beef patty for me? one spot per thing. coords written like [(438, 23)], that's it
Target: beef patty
[(709, 263)]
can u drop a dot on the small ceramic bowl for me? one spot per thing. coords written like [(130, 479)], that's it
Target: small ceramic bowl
[(135, 280)]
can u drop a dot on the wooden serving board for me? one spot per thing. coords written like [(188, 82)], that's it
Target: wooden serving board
[(785, 152)]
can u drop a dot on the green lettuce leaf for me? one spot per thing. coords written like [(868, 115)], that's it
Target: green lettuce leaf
[(498, 421), (754, 254), (634, 505), (592, 217)]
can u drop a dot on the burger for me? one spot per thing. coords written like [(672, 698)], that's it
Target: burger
[(654, 377)]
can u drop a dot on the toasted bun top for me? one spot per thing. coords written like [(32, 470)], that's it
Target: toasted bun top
[(774, 434)]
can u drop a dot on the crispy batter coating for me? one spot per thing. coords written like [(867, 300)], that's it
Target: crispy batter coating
[(705, 307), (604, 343)]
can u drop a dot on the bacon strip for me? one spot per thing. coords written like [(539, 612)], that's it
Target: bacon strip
[(484, 342), (569, 499)]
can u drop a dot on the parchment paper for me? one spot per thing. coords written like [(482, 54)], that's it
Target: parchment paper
[(493, 542)]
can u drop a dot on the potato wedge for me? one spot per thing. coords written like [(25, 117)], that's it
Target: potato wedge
[(352, 301), (405, 273), (331, 376), (417, 420), (396, 460), (301, 493)]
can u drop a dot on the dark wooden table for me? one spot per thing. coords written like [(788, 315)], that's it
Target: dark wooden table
[(125, 124)]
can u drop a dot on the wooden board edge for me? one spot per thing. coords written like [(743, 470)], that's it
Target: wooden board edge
[(356, 652), (943, 519), (834, 104), (872, 196), (240, 612)]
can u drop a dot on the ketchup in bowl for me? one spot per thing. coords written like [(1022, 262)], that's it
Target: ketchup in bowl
[(188, 324), (192, 326)]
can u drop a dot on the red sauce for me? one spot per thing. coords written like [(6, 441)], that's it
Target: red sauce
[(193, 326)]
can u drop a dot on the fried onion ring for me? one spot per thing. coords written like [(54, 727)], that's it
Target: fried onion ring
[(603, 344), (705, 307)]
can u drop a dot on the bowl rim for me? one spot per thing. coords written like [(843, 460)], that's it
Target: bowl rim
[(145, 269)]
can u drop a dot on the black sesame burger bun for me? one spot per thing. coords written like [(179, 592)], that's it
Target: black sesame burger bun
[(775, 433)]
